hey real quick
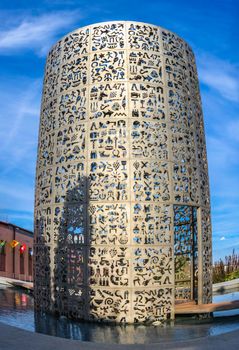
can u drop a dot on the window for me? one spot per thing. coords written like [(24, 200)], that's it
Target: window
[(22, 263), (2, 259), (30, 261)]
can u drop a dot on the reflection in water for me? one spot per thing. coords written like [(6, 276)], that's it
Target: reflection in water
[(16, 309), (226, 297)]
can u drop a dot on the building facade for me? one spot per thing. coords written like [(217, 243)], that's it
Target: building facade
[(16, 252), (122, 211)]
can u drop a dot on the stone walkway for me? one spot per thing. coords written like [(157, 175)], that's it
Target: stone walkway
[(17, 339), (223, 286), (16, 283)]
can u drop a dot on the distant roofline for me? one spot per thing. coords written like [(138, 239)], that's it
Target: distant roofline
[(16, 227)]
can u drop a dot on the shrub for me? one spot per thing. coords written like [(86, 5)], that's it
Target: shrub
[(227, 269)]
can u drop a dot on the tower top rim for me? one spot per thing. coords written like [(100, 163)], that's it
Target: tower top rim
[(119, 21)]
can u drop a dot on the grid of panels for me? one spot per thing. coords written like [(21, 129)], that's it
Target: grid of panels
[(121, 140)]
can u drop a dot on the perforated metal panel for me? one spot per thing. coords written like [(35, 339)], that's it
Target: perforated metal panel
[(121, 141)]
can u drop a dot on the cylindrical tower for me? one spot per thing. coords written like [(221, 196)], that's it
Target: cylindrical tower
[(122, 212)]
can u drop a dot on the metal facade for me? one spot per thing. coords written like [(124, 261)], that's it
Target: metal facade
[(121, 143)]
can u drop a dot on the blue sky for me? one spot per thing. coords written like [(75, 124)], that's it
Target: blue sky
[(29, 28)]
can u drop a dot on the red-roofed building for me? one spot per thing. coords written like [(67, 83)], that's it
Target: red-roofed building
[(16, 252)]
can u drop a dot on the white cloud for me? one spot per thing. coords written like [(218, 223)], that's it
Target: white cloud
[(16, 195), (219, 75), (20, 123), (18, 142), (37, 33), (220, 87), (221, 152), (233, 130)]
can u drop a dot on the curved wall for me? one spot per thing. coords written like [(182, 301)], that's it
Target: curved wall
[(121, 141)]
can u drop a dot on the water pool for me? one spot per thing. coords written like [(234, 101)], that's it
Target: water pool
[(17, 309)]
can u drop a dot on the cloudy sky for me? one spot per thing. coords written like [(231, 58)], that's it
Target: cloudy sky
[(27, 30)]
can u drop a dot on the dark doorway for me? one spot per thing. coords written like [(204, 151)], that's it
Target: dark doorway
[(185, 253)]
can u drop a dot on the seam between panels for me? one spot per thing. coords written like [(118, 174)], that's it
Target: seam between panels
[(170, 163)]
